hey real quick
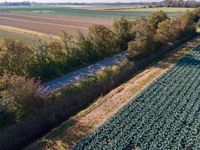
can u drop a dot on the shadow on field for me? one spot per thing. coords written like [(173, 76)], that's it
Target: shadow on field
[(177, 53)]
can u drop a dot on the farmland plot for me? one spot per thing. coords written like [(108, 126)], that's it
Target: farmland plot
[(83, 12), (166, 115), (50, 24)]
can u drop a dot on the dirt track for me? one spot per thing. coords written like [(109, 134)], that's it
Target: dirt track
[(50, 24)]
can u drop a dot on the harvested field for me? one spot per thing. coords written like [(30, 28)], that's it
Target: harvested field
[(50, 24)]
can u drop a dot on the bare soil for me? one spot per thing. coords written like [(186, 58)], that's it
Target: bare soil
[(50, 24)]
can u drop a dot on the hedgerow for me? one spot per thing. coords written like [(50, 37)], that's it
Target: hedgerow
[(164, 116)]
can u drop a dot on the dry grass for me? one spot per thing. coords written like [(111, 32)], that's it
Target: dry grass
[(70, 132)]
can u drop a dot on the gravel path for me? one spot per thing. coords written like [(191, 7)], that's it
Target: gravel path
[(58, 83)]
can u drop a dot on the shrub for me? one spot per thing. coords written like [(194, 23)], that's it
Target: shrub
[(173, 31), (139, 48), (15, 57), (123, 34), (102, 39), (20, 96), (144, 42), (86, 48), (156, 18)]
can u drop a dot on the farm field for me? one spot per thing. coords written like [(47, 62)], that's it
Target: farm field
[(105, 7), (165, 9), (95, 13), (49, 24), (72, 19), (164, 116)]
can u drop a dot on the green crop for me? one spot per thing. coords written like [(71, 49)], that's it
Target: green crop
[(166, 115)]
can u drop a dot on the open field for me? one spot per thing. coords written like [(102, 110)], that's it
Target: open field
[(166, 115), (105, 7), (139, 8), (52, 19), (50, 24), (84, 12), (165, 9), (68, 134)]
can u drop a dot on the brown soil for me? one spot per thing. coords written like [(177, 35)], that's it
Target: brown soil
[(50, 24), (69, 133)]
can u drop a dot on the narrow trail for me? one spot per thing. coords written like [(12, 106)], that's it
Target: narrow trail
[(59, 82)]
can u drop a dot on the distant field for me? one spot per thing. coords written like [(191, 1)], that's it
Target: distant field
[(106, 7), (130, 13), (166, 9), (51, 20), (48, 23)]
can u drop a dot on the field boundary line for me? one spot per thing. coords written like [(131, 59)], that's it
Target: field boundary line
[(27, 32), (75, 27)]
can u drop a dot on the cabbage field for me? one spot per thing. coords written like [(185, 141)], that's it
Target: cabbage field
[(166, 115)]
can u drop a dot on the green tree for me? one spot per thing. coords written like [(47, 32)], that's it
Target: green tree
[(102, 39), (157, 18), (15, 57), (86, 48), (144, 43), (20, 96), (122, 29), (168, 31)]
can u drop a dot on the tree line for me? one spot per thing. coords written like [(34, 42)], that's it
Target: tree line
[(179, 3)]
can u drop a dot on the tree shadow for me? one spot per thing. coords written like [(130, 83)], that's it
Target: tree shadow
[(68, 134), (176, 54)]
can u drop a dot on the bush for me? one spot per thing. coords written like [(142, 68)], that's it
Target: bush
[(156, 18), (122, 29), (139, 48), (86, 48), (15, 57), (144, 42), (20, 96), (103, 40), (173, 31)]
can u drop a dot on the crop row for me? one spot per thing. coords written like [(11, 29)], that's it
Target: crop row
[(166, 115)]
